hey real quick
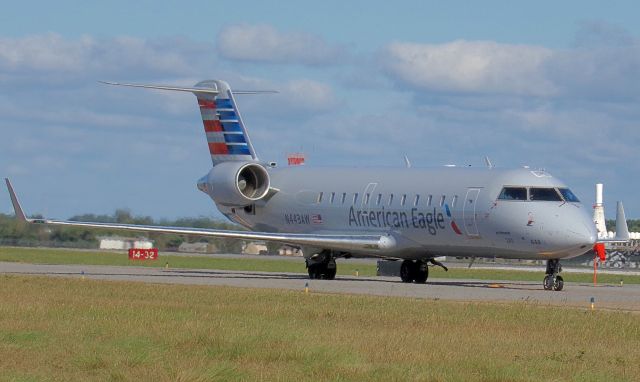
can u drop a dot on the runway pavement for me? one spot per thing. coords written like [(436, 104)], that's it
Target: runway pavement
[(626, 297)]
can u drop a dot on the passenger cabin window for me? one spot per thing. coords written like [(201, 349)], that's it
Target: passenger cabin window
[(544, 194), (513, 193), (453, 201), (379, 199), (366, 198), (344, 197), (568, 195), (429, 199), (442, 198), (403, 199), (333, 197), (320, 197), (355, 198), (416, 200), (390, 199)]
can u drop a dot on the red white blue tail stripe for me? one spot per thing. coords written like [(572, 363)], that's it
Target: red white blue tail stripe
[(227, 137)]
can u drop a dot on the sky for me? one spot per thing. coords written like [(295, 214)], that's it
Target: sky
[(551, 85)]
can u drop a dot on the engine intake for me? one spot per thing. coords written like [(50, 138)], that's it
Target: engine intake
[(253, 181), (238, 183)]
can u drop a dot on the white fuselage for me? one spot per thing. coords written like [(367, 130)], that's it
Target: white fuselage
[(452, 211)]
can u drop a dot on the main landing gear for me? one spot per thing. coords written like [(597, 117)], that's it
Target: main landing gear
[(322, 266), (414, 271), (417, 271), (552, 280)]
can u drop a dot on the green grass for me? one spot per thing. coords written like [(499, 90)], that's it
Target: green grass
[(84, 330), (64, 256)]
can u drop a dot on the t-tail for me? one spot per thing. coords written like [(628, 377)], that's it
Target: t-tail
[(227, 137), (226, 134)]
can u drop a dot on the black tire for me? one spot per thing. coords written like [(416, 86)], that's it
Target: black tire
[(330, 274), (421, 273), (548, 282), (407, 271), (558, 284), (314, 272)]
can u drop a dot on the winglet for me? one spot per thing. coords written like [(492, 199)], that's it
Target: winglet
[(16, 204), (622, 230)]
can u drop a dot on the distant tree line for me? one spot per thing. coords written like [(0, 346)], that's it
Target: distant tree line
[(13, 232), (633, 224)]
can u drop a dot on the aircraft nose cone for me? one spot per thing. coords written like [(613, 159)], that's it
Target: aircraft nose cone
[(584, 237), (579, 235), (590, 235)]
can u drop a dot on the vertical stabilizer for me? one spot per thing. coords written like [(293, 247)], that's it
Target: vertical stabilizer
[(622, 230), (227, 137)]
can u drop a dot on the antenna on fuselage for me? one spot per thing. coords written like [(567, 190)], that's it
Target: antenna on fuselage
[(488, 161), (407, 162)]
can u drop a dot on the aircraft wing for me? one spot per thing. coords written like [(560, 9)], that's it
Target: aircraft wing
[(373, 244)]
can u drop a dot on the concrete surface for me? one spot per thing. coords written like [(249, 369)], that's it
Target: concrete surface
[(576, 295)]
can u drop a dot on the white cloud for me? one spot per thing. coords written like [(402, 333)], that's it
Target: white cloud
[(301, 97), (605, 64), (470, 67), (264, 43), (309, 95), (52, 53)]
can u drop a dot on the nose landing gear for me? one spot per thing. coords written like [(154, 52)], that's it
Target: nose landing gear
[(552, 279)]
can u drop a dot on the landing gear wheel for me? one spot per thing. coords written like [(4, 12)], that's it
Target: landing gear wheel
[(314, 272), (548, 282), (558, 283), (552, 280), (322, 267), (407, 270), (421, 272), (330, 274)]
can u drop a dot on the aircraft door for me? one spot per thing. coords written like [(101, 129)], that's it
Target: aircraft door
[(469, 212), (367, 197)]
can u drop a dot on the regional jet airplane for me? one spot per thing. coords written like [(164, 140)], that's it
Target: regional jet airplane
[(408, 214)]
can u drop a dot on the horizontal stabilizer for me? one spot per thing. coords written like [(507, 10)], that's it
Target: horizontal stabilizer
[(166, 87), (194, 90)]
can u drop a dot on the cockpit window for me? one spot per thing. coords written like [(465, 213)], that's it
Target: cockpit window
[(513, 193), (568, 195), (544, 194)]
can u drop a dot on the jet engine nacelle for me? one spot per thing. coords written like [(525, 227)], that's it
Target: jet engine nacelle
[(238, 183)]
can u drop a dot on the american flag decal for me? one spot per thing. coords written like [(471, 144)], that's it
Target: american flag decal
[(316, 219)]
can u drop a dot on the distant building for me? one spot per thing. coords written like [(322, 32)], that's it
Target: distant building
[(286, 250), (255, 248), (194, 247), (124, 243)]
